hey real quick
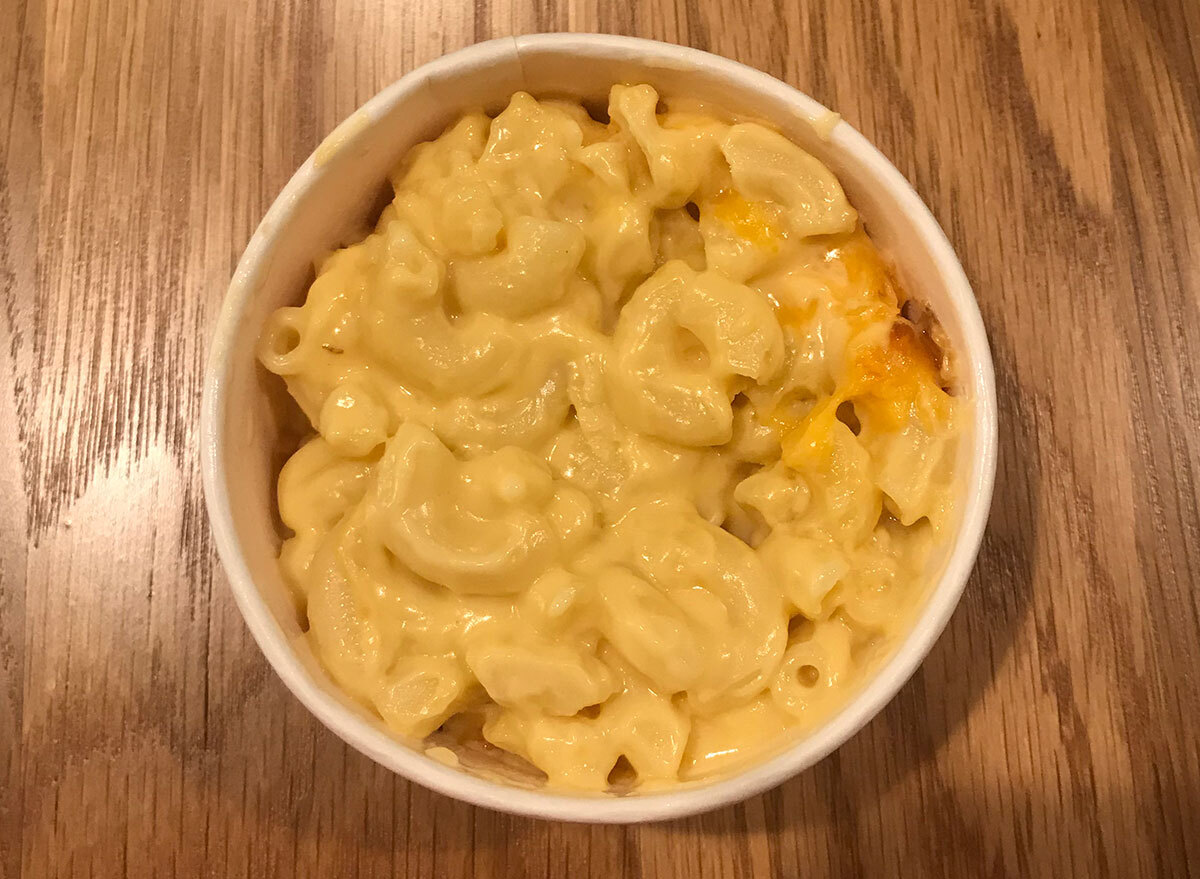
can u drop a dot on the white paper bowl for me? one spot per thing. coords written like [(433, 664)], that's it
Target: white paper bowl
[(332, 199)]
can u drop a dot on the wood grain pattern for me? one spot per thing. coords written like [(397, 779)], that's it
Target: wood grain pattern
[(1053, 730)]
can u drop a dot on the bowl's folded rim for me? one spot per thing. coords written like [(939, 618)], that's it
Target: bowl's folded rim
[(688, 798)]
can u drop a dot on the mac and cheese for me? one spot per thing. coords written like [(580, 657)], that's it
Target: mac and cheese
[(624, 451)]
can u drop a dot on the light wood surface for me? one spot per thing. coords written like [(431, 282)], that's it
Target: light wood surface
[(1052, 731)]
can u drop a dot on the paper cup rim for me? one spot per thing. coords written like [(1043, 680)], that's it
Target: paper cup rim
[(687, 799)]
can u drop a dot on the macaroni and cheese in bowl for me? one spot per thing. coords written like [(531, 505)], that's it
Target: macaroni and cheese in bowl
[(624, 463)]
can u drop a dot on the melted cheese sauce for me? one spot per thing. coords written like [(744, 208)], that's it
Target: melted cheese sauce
[(624, 459)]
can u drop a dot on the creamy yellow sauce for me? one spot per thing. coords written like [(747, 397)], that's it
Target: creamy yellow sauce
[(622, 449)]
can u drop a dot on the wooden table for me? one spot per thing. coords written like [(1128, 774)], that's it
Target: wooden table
[(1054, 729)]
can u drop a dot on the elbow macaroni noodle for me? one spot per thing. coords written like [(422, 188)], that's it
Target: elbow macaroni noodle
[(623, 447)]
